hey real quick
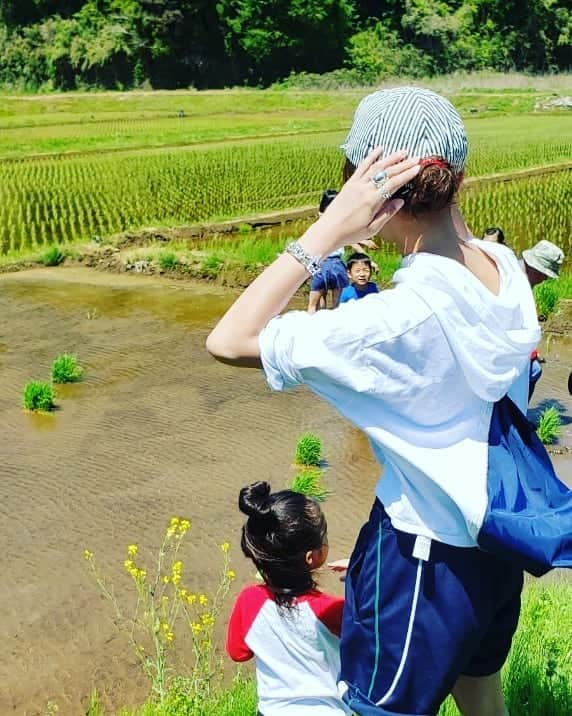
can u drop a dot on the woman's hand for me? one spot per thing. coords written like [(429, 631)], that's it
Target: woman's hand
[(357, 213), (361, 208)]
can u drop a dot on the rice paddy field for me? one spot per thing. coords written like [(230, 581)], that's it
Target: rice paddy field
[(75, 167), (75, 170)]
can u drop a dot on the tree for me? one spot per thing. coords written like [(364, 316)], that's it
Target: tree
[(271, 38)]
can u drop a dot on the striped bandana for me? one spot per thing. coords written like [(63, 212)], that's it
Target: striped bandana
[(407, 118)]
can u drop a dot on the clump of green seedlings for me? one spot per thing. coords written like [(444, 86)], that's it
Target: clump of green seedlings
[(308, 450), (168, 260), (546, 297), (211, 266), (65, 369), (53, 256), (38, 396), (549, 426), (309, 482)]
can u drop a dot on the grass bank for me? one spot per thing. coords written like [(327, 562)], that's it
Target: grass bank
[(537, 677)]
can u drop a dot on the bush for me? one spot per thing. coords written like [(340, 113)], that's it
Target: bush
[(38, 396), (53, 256), (308, 450), (168, 261), (309, 482), (549, 426), (65, 369), (546, 297)]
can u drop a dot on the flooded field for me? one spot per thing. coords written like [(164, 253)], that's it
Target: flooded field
[(156, 428)]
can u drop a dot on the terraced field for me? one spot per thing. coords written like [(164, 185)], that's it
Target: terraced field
[(77, 167)]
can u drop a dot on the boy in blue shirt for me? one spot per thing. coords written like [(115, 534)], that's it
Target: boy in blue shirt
[(359, 273)]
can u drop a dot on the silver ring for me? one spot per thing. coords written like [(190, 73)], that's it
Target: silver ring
[(379, 179)]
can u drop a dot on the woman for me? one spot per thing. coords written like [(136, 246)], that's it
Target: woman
[(419, 369)]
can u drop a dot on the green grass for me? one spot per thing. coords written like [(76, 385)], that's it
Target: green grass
[(65, 369), (308, 450), (168, 260), (38, 396), (549, 426)]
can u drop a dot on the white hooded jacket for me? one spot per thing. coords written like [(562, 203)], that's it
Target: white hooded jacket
[(418, 369)]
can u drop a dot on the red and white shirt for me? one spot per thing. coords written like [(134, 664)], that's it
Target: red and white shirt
[(296, 650)]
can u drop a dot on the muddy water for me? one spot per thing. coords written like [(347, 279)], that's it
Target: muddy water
[(156, 428)]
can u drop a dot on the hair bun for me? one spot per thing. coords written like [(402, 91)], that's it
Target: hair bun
[(433, 188), (254, 501)]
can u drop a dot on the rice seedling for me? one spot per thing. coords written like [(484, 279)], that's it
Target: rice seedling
[(53, 256), (309, 482), (38, 396), (113, 192), (308, 450), (65, 369), (549, 426)]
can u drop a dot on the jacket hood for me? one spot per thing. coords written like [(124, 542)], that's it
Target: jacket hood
[(491, 336)]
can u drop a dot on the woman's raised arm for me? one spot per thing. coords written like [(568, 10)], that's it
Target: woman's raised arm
[(359, 211)]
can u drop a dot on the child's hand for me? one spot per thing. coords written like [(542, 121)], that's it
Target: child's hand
[(340, 565)]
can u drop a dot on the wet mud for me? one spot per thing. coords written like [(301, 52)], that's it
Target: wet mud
[(157, 428)]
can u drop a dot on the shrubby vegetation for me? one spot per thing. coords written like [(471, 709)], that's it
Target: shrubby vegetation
[(75, 44)]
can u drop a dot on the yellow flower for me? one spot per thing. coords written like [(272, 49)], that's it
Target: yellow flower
[(169, 636), (207, 619), (128, 564), (87, 554), (183, 593), (184, 526), (166, 579), (191, 598), (225, 546), (231, 574), (132, 550), (203, 599), (174, 522), (196, 627)]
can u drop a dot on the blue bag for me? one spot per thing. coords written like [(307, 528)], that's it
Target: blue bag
[(529, 511)]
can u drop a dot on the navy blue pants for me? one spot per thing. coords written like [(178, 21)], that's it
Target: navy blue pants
[(412, 626)]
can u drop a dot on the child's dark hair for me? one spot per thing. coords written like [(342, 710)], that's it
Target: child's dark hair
[(357, 256), (495, 231), (281, 528), (327, 197)]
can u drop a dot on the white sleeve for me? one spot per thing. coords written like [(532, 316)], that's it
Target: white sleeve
[(333, 346)]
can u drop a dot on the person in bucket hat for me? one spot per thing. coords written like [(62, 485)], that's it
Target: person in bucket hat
[(542, 261), (435, 372)]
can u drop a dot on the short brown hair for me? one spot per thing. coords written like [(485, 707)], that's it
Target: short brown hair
[(432, 189)]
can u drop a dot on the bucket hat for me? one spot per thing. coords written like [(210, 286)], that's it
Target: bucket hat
[(408, 118), (545, 257)]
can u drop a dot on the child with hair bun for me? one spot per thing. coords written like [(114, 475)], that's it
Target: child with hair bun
[(289, 626)]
